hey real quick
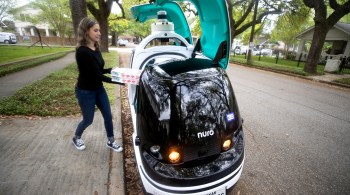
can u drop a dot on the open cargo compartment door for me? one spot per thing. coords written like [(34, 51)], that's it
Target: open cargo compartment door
[(146, 12), (215, 41)]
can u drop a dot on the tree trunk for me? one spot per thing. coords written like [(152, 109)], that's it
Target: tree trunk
[(101, 16), (318, 40), (104, 35), (114, 38), (322, 26), (78, 10)]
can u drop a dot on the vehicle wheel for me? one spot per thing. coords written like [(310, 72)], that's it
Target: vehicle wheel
[(6, 41)]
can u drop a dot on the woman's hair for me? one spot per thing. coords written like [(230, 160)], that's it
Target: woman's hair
[(83, 28)]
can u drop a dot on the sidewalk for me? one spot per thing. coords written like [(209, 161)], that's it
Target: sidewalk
[(37, 156), (330, 78)]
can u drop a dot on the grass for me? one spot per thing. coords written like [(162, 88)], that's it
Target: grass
[(344, 81), (15, 67), (10, 53), (288, 66), (16, 57), (54, 95)]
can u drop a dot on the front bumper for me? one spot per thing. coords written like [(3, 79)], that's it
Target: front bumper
[(216, 176)]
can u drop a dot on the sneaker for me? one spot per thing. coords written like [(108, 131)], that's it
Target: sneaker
[(78, 143), (116, 147)]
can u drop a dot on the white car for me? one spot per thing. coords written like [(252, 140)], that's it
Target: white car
[(122, 42), (188, 132), (242, 50), (239, 50), (8, 38), (266, 52)]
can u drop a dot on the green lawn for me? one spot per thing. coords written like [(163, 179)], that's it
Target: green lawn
[(345, 81), (289, 66), (54, 95), (17, 55), (283, 65), (10, 53)]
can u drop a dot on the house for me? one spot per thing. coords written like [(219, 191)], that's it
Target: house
[(24, 26), (28, 31), (339, 36), (2, 25)]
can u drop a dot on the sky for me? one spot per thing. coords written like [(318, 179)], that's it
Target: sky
[(22, 2), (115, 8)]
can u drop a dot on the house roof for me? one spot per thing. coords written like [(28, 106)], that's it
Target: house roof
[(342, 26)]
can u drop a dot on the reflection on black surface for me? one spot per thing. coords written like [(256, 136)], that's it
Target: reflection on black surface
[(188, 110)]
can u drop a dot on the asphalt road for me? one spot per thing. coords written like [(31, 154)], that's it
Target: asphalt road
[(297, 134)]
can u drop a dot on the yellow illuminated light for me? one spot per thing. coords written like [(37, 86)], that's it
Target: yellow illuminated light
[(174, 156), (226, 145)]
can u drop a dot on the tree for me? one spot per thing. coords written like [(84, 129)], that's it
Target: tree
[(290, 24), (118, 27), (10, 25), (5, 7), (242, 13), (323, 23), (78, 11), (101, 11), (141, 30), (56, 13)]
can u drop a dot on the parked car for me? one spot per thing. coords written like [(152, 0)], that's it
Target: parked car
[(255, 51), (266, 52), (239, 50), (242, 50), (188, 131), (122, 42), (8, 38)]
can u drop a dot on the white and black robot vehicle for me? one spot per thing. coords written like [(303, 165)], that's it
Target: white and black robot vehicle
[(188, 132)]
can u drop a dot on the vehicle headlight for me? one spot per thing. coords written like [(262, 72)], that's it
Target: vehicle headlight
[(174, 155), (227, 144)]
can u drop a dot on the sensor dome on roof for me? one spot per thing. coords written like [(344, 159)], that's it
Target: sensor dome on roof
[(162, 24)]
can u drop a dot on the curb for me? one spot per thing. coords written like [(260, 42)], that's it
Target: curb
[(329, 82)]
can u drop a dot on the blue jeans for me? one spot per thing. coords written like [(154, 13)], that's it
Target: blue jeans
[(87, 100)]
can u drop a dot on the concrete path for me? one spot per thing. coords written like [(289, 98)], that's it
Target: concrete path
[(328, 77), (37, 156), (9, 84)]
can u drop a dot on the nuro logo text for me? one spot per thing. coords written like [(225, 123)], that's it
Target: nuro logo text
[(205, 133)]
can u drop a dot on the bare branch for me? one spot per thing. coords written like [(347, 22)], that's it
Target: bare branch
[(247, 12), (121, 8), (92, 8)]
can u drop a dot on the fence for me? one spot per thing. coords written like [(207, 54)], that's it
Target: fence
[(52, 40)]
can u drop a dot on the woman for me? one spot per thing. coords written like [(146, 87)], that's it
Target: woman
[(89, 88)]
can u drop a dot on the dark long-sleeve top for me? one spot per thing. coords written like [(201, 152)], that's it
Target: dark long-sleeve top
[(91, 69)]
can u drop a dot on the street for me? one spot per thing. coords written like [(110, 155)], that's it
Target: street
[(296, 134)]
